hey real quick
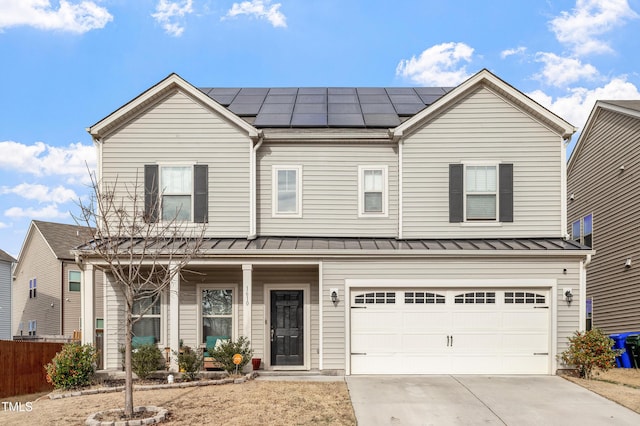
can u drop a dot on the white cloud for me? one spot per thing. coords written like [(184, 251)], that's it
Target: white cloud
[(41, 193), (578, 103), (261, 9), (167, 12), (559, 71), (73, 17), (439, 65), (3, 225), (48, 212), (40, 159), (588, 20), (516, 51)]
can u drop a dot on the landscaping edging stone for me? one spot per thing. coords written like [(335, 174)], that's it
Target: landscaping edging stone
[(161, 415), (243, 379)]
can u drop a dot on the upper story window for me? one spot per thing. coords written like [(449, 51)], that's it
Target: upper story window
[(75, 278), (372, 184), (32, 288), (287, 192), (184, 195), (582, 230), (177, 189), (480, 192)]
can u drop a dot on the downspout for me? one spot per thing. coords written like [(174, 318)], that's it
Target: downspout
[(253, 177), (397, 137), (563, 187)]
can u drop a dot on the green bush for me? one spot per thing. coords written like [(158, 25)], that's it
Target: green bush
[(72, 367), (224, 352), (189, 362), (145, 359), (588, 350)]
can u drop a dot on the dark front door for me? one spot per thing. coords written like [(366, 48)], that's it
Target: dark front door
[(287, 339)]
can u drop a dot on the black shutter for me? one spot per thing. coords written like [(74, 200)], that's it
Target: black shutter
[(201, 193), (456, 193), (151, 200), (506, 192)]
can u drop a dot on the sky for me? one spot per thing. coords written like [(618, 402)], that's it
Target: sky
[(67, 64)]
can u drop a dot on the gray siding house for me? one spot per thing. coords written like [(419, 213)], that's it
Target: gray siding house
[(603, 185), (358, 230), (47, 282), (6, 264)]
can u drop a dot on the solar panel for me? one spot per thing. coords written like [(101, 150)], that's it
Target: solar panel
[(245, 108), (373, 99), (344, 109), (381, 120), (371, 91), (408, 109), (312, 91), (273, 120), (311, 99), (429, 99), (343, 99), (378, 108), (341, 90), (276, 109), (283, 91), (430, 91), (310, 108), (346, 120), (309, 120), (280, 99)]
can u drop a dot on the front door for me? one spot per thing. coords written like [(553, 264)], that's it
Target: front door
[(287, 328)]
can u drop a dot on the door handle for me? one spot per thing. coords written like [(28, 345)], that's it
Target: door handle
[(451, 340), (448, 340), (273, 333)]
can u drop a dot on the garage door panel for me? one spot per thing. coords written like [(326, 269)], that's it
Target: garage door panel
[(510, 335)]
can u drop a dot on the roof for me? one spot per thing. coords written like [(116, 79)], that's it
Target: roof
[(354, 245), (62, 238), (397, 110), (630, 104), (313, 107), (5, 257)]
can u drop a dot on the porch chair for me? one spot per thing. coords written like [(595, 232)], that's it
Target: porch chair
[(210, 344)]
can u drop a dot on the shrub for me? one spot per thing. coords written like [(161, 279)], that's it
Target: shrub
[(190, 362), (588, 350), (72, 367), (145, 359), (224, 352)]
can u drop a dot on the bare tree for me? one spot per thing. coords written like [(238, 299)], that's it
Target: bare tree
[(141, 253)]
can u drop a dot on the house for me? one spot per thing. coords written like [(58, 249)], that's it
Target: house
[(6, 265), (47, 283), (357, 230), (603, 183)]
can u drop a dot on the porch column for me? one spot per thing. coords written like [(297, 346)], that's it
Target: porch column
[(174, 318), (87, 309), (247, 279)]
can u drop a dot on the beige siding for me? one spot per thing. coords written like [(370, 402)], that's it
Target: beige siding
[(336, 271), (39, 263), (113, 324), (179, 130), (483, 127), (611, 195), (71, 301), (329, 189), (5, 301)]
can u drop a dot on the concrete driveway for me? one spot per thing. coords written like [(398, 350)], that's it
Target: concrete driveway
[(481, 400)]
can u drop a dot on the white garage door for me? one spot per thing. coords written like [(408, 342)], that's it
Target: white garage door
[(459, 331)]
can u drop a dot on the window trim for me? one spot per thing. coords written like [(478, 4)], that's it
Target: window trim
[(163, 315), (275, 190), (581, 236), (162, 193), (385, 190), (496, 166), (69, 281), (234, 311)]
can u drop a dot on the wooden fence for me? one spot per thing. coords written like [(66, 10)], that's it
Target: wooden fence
[(22, 366)]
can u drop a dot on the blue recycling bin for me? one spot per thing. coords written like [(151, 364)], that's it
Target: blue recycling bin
[(619, 340)]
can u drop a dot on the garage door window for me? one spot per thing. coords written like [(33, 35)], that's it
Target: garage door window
[(476, 297), (378, 297), (418, 297), (524, 297)]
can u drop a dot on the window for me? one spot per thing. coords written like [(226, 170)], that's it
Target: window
[(184, 195), (146, 314), (378, 297), (32, 327), (582, 230), (372, 183), (99, 323), (420, 297), (480, 189), (287, 194), (177, 186), (74, 280), (480, 193), (521, 297), (478, 297), (32, 288), (216, 309)]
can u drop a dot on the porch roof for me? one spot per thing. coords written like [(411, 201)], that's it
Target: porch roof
[(355, 245)]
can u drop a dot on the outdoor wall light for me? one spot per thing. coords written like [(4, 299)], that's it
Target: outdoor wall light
[(627, 263), (568, 296), (334, 295)]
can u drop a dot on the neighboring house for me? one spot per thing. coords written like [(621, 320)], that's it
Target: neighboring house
[(357, 230), (6, 263), (603, 183), (47, 282)]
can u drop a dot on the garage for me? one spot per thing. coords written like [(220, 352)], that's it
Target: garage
[(450, 331)]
